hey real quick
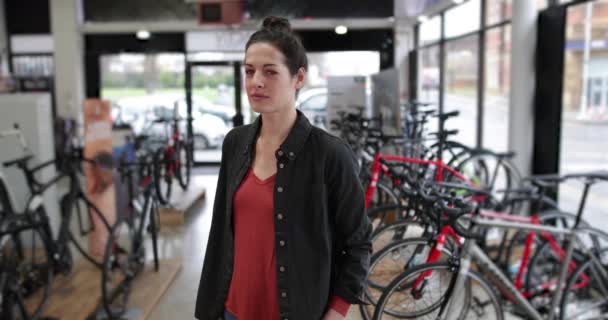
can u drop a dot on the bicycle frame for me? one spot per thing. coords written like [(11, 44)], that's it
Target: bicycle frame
[(486, 218), (553, 245), (377, 167), (484, 263)]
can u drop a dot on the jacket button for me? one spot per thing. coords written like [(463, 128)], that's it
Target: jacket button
[(291, 154), (282, 243), (282, 269), (280, 216), (280, 189), (281, 165), (280, 153), (284, 294)]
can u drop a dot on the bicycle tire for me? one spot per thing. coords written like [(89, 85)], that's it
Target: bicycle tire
[(162, 179), (596, 283), (27, 279), (401, 256), (183, 155), (484, 165), (468, 298), (123, 260), (394, 232)]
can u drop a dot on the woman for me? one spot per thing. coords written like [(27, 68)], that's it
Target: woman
[(289, 237)]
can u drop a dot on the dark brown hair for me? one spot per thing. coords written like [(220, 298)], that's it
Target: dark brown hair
[(277, 32)]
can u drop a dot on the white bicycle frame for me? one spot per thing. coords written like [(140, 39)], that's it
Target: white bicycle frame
[(472, 252)]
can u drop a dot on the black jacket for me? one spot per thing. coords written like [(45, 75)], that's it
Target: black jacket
[(322, 232)]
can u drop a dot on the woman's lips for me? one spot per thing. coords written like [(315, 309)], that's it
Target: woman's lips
[(258, 97)]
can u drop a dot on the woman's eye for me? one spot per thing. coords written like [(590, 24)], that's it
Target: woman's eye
[(270, 72), (249, 72)]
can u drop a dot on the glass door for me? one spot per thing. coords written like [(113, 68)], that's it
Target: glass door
[(213, 105)]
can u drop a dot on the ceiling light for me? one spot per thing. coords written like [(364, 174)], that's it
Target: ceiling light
[(143, 34), (423, 19), (341, 29)]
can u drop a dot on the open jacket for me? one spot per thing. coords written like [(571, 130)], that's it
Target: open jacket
[(319, 220)]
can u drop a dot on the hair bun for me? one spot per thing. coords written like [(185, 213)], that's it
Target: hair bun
[(276, 24)]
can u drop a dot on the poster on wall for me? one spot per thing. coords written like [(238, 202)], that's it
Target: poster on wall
[(348, 94), (99, 178)]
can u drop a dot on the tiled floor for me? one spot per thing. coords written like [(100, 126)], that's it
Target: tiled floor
[(189, 242)]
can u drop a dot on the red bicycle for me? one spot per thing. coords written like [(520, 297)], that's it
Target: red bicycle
[(174, 160)]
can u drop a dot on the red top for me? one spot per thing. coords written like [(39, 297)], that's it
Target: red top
[(253, 290)]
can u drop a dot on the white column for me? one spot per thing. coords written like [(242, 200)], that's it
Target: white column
[(4, 39), (69, 57), (521, 108), (404, 42)]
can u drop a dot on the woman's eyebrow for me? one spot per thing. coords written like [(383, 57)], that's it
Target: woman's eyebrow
[(266, 65)]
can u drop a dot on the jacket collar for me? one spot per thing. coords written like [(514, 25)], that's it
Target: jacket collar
[(293, 143)]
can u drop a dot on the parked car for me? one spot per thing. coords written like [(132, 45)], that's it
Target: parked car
[(313, 103), (209, 129)]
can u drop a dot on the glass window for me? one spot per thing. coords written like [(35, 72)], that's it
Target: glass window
[(583, 144), (597, 92), (316, 103), (498, 11), (430, 31), (460, 91), (606, 92), (428, 75), (497, 88), (463, 19)]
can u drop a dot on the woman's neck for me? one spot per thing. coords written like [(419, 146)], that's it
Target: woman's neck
[(276, 125)]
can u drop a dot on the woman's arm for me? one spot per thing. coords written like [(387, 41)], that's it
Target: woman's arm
[(352, 227), (206, 295)]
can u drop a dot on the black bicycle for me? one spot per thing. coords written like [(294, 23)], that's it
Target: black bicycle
[(30, 255), (125, 252)]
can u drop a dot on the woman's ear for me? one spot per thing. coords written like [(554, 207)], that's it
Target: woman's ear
[(300, 78)]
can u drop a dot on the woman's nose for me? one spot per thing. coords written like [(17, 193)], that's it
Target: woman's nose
[(257, 80)]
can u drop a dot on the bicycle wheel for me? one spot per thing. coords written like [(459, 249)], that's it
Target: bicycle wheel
[(383, 196), (421, 293), (386, 215), (544, 264), (27, 270), (394, 232), (183, 155), (389, 263), (162, 177), (490, 172), (586, 293), (123, 260)]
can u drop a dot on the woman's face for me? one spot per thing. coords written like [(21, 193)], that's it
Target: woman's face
[(269, 84)]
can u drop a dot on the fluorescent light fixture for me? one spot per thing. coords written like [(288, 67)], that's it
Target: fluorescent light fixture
[(341, 29), (143, 34), (423, 19)]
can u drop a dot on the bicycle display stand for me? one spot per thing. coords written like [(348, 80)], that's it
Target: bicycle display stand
[(77, 296), (131, 314), (181, 202)]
